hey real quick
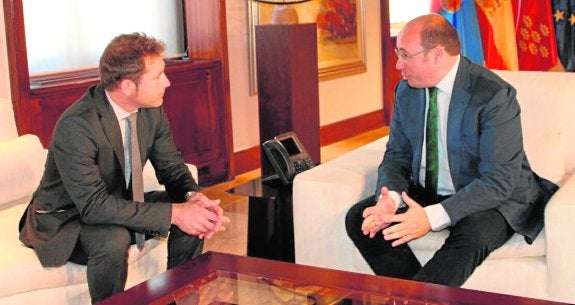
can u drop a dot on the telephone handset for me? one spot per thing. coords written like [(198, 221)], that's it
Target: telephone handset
[(288, 156)]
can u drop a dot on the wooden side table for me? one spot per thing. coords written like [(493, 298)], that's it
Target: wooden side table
[(270, 219)]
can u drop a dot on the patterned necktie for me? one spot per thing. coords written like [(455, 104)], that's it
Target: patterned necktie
[(431, 143), (136, 169)]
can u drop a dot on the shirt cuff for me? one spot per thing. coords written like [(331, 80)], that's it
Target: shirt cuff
[(396, 198), (437, 216)]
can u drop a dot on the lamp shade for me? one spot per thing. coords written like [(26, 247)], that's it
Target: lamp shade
[(283, 12), (281, 1)]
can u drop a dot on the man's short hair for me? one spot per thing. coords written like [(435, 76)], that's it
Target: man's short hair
[(124, 58), (437, 31)]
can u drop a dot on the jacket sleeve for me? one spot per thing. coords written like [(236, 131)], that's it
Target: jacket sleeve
[(94, 183), (395, 170), (491, 154), (167, 160)]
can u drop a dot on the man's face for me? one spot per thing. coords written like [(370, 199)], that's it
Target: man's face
[(152, 84), (414, 62)]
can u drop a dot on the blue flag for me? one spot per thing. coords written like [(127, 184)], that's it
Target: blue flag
[(464, 19), (564, 20)]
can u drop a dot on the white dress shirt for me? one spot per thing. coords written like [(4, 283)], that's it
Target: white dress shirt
[(436, 214), (122, 116)]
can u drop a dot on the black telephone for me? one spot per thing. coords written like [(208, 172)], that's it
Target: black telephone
[(288, 156)]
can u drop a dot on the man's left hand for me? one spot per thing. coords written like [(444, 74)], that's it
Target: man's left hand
[(214, 206), (410, 225)]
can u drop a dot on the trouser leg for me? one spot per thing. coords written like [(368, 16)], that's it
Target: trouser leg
[(104, 250), (470, 241), (385, 260), (181, 246)]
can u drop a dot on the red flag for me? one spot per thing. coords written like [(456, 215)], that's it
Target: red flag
[(498, 34), (536, 46), (435, 5), (564, 15)]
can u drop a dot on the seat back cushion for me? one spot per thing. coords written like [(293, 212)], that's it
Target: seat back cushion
[(546, 100)]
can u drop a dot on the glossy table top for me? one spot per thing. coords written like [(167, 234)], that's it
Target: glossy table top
[(216, 278)]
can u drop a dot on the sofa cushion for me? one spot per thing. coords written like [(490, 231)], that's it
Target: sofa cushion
[(20, 269), (21, 166)]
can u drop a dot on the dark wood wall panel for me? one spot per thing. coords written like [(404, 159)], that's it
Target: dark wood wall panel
[(288, 89), (198, 103), (194, 104), (48, 105), (197, 111)]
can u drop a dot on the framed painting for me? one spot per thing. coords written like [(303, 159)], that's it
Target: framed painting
[(340, 35)]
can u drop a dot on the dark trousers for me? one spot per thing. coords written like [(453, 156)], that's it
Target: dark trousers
[(470, 241), (104, 250)]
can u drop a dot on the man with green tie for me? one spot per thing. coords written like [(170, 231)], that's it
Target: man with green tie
[(454, 161)]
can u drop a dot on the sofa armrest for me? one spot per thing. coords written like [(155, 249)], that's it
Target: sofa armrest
[(21, 165), (151, 182), (321, 199), (559, 228)]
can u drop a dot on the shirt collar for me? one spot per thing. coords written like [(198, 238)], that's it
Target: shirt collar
[(446, 84), (119, 111)]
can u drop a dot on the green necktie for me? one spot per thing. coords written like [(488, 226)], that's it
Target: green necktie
[(431, 143)]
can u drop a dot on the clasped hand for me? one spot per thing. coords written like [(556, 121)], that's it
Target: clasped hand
[(199, 216), (407, 226)]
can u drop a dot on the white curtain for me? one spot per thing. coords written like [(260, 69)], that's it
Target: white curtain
[(405, 10), (66, 35)]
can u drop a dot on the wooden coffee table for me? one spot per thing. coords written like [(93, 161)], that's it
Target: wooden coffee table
[(216, 278)]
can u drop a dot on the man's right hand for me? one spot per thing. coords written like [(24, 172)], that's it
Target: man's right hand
[(374, 216), (199, 216), (214, 206)]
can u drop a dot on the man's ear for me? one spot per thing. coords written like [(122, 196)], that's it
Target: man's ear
[(437, 53), (128, 87)]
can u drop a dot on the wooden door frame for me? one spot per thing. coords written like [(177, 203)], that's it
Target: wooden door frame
[(390, 76)]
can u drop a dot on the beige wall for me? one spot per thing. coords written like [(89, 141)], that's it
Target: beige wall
[(340, 98)]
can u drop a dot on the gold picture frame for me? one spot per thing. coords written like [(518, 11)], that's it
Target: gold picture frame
[(341, 50)]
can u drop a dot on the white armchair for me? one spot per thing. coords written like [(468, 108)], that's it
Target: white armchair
[(22, 279), (545, 269)]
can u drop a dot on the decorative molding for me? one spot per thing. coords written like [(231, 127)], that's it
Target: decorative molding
[(249, 159), (346, 129)]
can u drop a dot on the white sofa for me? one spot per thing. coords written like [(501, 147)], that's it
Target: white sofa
[(545, 269), (22, 279)]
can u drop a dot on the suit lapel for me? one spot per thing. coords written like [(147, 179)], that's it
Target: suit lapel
[(416, 127), (143, 130), (459, 101), (110, 125)]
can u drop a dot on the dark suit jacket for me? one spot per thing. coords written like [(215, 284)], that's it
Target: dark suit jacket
[(83, 181), (488, 165)]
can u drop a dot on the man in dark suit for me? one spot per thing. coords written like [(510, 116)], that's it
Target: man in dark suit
[(484, 191), (83, 210)]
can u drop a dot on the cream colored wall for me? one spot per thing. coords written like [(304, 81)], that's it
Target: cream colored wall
[(349, 97), (340, 99)]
